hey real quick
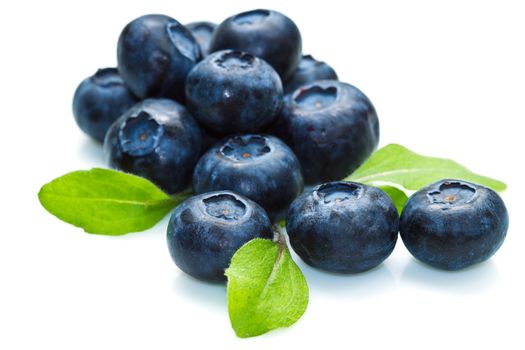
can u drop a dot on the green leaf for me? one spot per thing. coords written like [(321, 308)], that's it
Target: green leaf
[(266, 289), (106, 201), (398, 196), (397, 165)]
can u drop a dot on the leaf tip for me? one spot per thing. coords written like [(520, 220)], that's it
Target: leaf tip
[(41, 195)]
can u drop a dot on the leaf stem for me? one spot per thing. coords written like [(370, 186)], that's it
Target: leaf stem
[(279, 237)]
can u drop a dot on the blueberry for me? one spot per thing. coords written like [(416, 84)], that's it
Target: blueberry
[(155, 54), (343, 227), (331, 126), (205, 231), (232, 91), (202, 32), (209, 140), (157, 139), (453, 224), (267, 34), (99, 100), (309, 70), (259, 167)]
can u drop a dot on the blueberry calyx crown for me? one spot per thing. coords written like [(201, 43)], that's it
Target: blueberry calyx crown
[(452, 193), (140, 135), (225, 207), (107, 77), (306, 62), (233, 60), (315, 97), (200, 30), (183, 41), (338, 192), (245, 148), (251, 17)]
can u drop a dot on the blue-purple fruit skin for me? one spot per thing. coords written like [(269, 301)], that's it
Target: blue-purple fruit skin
[(343, 227), (308, 71), (267, 34), (453, 224), (233, 92), (202, 32), (331, 126), (157, 139), (99, 100), (260, 167), (202, 245), (155, 54)]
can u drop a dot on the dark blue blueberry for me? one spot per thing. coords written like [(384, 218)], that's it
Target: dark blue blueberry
[(157, 139), (259, 167), (155, 54), (202, 32), (452, 224), (267, 34), (231, 91), (331, 126), (209, 140), (309, 70), (206, 230), (99, 100), (343, 227)]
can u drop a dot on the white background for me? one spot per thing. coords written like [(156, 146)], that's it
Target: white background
[(447, 79)]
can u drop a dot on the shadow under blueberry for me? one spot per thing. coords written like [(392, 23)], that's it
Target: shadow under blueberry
[(360, 285), (91, 151), (474, 279), (211, 294)]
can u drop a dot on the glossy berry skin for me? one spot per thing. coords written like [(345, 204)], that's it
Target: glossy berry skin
[(331, 126), (343, 227), (267, 34), (202, 32), (155, 54), (453, 224), (206, 230), (259, 167), (308, 71), (99, 100), (157, 139), (233, 92)]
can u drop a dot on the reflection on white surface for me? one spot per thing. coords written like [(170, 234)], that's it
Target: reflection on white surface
[(210, 294), (474, 279), (361, 285), (91, 151)]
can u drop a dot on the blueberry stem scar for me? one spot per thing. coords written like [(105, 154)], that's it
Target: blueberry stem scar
[(316, 97)]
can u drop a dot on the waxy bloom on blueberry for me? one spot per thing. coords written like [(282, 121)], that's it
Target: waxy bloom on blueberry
[(452, 224), (267, 34), (155, 54), (206, 230), (202, 32), (233, 92), (99, 100), (331, 126), (260, 167), (309, 71), (157, 139), (343, 227)]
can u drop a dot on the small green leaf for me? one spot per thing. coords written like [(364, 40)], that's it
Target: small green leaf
[(106, 201), (266, 289), (397, 165), (398, 196)]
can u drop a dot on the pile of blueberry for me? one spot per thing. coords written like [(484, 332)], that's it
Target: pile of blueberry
[(237, 111)]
